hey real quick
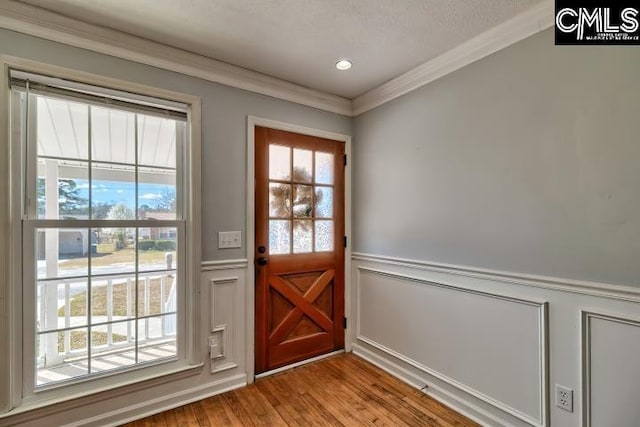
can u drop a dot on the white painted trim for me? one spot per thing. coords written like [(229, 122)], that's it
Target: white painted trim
[(55, 71), (486, 399), (393, 366), (39, 22), (297, 364), (38, 410), (585, 354), (290, 127), (226, 264), (217, 281), (252, 122), (530, 22), (7, 245), (250, 295), (229, 335), (602, 290), (192, 354), (164, 403), (42, 23), (543, 356)]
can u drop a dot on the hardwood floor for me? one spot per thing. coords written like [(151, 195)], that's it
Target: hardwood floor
[(343, 390)]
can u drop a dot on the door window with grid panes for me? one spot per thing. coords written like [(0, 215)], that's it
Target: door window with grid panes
[(301, 212)]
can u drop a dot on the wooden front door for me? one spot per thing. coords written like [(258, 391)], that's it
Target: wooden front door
[(299, 249)]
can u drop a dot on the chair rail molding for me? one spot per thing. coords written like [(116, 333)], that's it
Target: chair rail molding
[(225, 264), (602, 290)]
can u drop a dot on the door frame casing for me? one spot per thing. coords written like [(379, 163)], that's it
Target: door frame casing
[(252, 122)]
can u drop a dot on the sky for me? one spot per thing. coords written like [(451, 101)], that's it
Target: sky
[(113, 192)]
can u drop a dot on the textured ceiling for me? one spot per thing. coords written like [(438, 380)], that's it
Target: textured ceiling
[(300, 40)]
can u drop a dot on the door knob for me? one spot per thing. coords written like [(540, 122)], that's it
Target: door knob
[(262, 261)]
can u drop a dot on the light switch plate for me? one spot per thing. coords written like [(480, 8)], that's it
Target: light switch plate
[(229, 239)]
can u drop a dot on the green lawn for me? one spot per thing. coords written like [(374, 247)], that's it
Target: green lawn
[(107, 256), (78, 304), (79, 339)]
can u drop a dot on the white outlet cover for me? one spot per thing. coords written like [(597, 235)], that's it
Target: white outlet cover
[(564, 398)]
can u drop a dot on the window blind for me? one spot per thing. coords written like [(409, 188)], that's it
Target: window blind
[(100, 96)]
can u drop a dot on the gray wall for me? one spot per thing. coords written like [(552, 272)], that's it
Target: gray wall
[(525, 161), (224, 124)]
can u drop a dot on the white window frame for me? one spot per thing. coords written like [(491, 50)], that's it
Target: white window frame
[(13, 393)]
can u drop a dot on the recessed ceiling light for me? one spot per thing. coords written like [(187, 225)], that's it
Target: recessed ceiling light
[(343, 64)]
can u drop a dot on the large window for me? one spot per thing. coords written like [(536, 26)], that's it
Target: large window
[(103, 229)]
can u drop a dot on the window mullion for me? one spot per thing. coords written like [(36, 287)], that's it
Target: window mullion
[(89, 258), (89, 301), (180, 179), (137, 237), (31, 170)]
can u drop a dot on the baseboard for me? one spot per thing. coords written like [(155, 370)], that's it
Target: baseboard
[(446, 394), (164, 403)]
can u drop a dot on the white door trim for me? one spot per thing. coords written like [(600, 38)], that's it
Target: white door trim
[(252, 122)]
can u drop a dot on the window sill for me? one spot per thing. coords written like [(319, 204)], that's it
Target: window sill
[(40, 408)]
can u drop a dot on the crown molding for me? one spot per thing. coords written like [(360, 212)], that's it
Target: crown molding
[(42, 23), (532, 21)]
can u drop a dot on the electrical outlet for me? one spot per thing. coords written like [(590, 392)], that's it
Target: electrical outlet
[(216, 349), (564, 398)]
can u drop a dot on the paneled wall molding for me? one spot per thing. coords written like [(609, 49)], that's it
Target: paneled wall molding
[(224, 303), (587, 316), (226, 264), (42, 23), (543, 333), (534, 20), (602, 290), (226, 333), (404, 371)]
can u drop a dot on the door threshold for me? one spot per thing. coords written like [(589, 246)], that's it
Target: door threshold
[(295, 365)]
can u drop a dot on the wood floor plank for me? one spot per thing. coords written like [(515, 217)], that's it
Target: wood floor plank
[(261, 413), (216, 413), (186, 417), (385, 388), (359, 409), (343, 390), (348, 408), (374, 388)]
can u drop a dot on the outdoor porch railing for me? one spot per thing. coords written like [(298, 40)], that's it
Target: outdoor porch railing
[(48, 332)]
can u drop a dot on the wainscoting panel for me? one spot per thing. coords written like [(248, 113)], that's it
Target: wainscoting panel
[(611, 370), (494, 344), (225, 283), (459, 335), (224, 301)]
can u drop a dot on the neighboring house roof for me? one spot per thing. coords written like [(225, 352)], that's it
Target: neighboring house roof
[(160, 215)]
